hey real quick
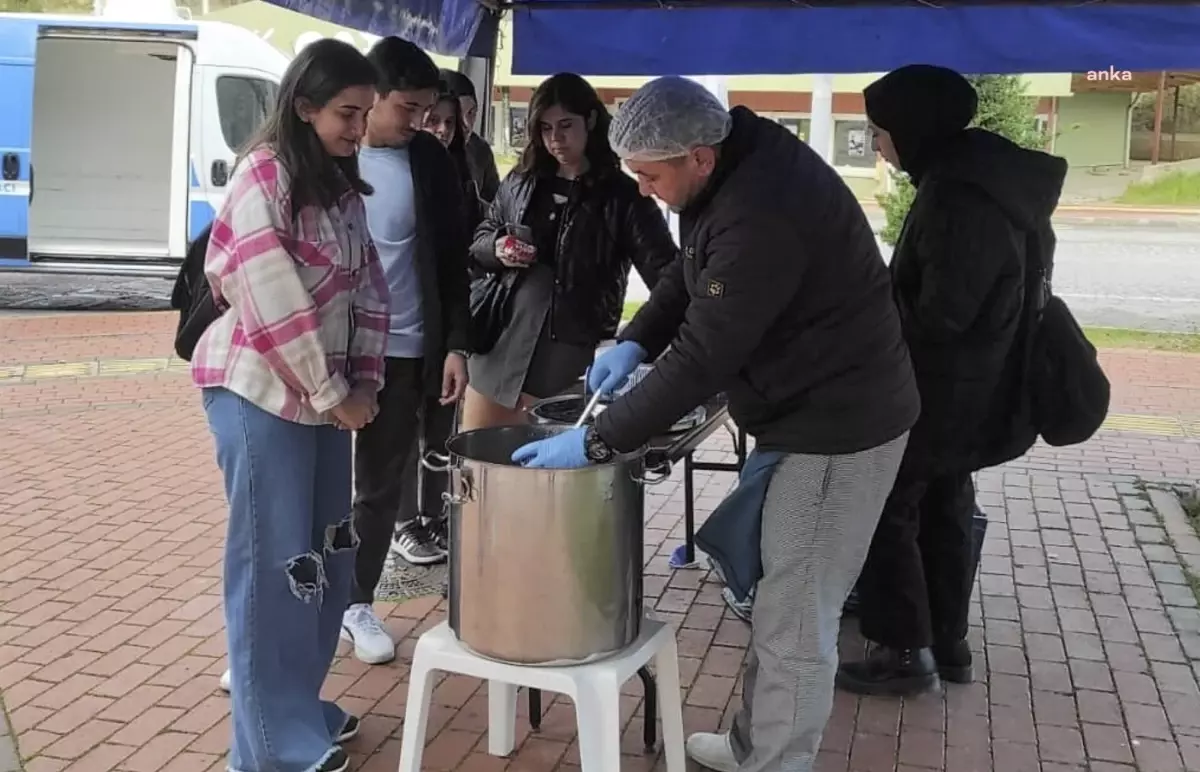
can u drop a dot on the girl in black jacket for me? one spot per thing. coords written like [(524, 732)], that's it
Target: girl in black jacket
[(444, 121), (572, 224)]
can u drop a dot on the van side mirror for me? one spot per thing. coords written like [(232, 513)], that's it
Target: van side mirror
[(220, 173)]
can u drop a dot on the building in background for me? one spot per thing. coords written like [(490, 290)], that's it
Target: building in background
[(1089, 128), (1088, 123)]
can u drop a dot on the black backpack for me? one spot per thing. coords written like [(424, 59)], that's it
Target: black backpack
[(1068, 390), (193, 299)]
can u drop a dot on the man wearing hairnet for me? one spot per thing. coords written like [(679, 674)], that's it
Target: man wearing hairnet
[(780, 299)]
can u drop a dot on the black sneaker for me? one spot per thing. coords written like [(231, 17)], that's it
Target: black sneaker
[(337, 761), (349, 730), (891, 673), (850, 608), (742, 609), (440, 528), (416, 544)]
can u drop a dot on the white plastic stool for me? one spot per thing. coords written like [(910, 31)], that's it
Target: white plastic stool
[(595, 689)]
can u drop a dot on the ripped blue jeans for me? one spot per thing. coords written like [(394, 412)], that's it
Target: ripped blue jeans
[(289, 564)]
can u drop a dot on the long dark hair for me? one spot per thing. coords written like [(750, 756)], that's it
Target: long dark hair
[(575, 95), (458, 154), (319, 73)]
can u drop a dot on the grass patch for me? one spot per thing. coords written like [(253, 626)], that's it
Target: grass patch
[(1113, 337), (1174, 189), (1190, 500), (1101, 337), (1193, 582)]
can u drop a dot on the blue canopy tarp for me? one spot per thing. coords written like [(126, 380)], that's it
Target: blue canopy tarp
[(455, 28), (648, 37)]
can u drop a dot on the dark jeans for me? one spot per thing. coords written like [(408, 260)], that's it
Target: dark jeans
[(915, 589), (383, 451)]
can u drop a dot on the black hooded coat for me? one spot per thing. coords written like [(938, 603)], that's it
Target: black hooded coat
[(959, 271)]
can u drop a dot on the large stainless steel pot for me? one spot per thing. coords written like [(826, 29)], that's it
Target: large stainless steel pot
[(545, 565)]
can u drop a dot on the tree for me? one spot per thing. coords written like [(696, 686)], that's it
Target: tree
[(1004, 108)]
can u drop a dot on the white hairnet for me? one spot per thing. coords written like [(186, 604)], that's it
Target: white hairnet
[(667, 118)]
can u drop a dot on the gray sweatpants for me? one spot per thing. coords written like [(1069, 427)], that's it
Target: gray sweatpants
[(817, 522)]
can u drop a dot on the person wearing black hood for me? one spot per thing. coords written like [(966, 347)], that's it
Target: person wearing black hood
[(981, 214)]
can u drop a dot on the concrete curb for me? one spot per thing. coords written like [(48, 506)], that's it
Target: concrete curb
[(10, 759), (1191, 223), (1111, 221), (1094, 216), (1097, 210), (1175, 521)]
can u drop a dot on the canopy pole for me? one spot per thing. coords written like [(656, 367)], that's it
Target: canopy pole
[(1052, 126), (1175, 124), (480, 71), (820, 127), (1159, 98)]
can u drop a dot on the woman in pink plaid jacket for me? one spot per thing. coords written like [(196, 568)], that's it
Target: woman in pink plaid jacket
[(290, 367)]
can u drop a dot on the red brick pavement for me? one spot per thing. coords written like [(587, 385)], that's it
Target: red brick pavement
[(111, 635), (77, 337)]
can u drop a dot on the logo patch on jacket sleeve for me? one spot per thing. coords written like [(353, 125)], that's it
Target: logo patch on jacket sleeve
[(715, 288)]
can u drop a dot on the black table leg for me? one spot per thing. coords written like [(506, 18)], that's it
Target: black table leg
[(690, 467), (535, 709), (689, 511), (650, 717)]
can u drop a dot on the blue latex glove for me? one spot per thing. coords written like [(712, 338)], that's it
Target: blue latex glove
[(613, 367), (562, 451)]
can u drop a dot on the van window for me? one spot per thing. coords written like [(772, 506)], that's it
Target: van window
[(243, 104)]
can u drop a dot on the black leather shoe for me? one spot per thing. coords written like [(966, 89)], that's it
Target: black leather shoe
[(891, 673), (954, 662), (850, 609)]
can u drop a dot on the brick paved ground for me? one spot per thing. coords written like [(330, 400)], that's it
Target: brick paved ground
[(111, 634)]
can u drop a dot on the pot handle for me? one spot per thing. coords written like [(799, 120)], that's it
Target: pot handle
[(436, 462), (654, 475), (462, 488)]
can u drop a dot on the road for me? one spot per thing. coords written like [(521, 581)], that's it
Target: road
[(1143, 277), (1112, 275), (1136, 277)]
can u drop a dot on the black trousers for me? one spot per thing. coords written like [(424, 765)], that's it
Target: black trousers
[(386, 475), (423, 488), (915, 588)]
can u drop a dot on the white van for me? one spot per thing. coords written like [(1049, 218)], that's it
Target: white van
[(118, 136)]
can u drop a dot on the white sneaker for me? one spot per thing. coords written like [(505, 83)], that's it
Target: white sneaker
[(226, 682), (372, 644), (712, 751)]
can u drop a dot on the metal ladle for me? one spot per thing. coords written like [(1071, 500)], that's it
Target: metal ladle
[(591, 407)]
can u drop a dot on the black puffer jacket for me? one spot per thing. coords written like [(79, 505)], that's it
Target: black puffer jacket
[(607, 227), (959, 276), (781, 300)]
